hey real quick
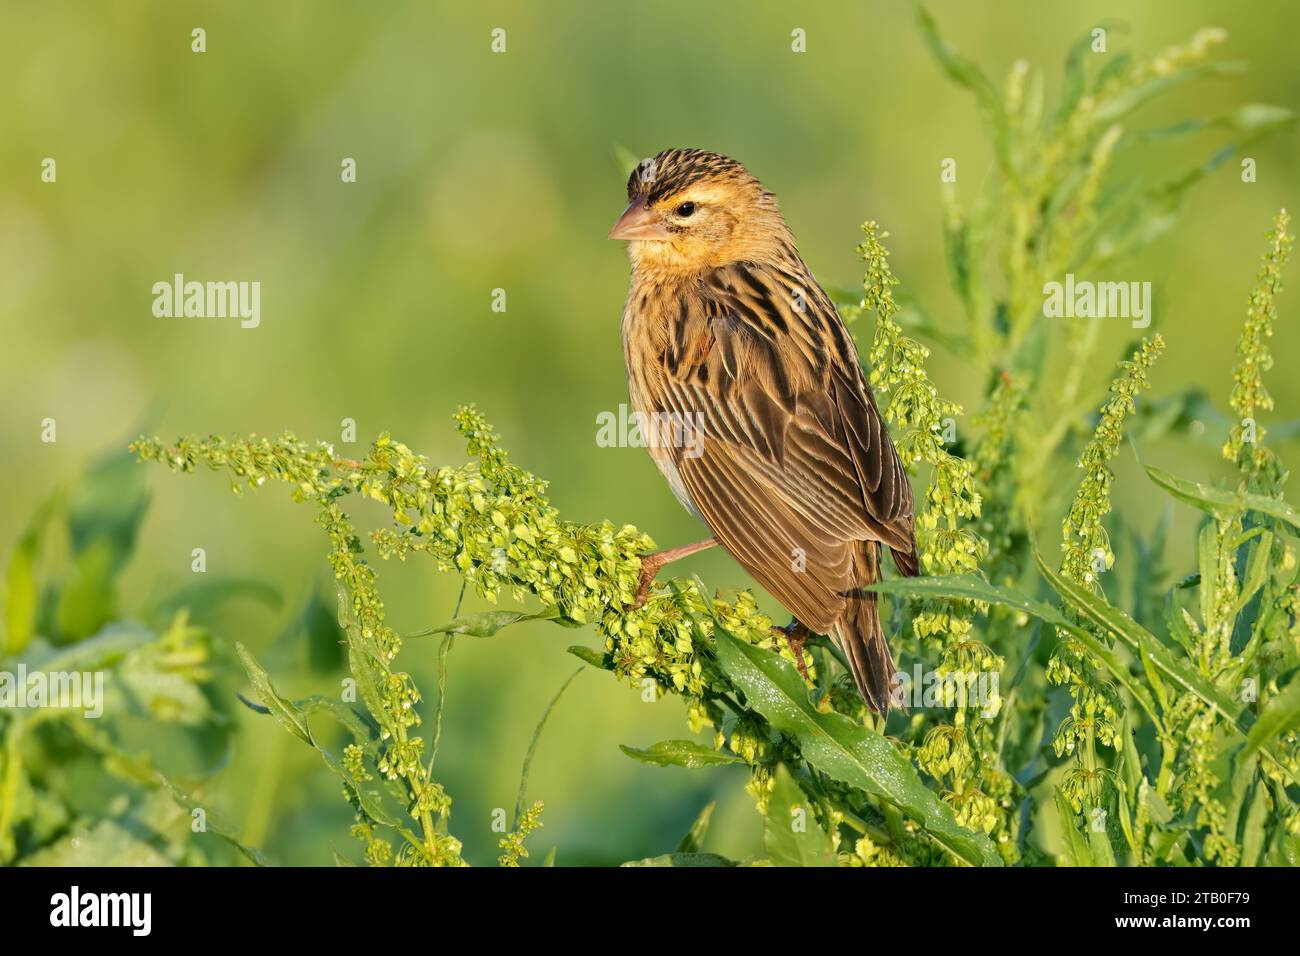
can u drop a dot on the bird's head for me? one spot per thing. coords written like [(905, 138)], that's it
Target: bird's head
[(690, 210)]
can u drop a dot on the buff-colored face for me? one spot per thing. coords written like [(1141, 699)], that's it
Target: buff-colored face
[(688, 214)]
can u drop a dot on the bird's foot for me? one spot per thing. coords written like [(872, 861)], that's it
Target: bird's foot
[(650, 566), (795, 635)]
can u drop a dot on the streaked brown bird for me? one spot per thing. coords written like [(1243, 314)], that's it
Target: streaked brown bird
[(752, 402)]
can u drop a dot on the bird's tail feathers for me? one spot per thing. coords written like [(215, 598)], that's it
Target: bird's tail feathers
[(859, 634)]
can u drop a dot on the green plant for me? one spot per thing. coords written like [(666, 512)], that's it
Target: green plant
[(490, 521), (88, 694), (1172, 728)]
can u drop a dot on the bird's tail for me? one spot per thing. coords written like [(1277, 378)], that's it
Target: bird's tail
[(859, 635)]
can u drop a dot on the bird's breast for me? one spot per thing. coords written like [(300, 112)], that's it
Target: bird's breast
[(648, 325)]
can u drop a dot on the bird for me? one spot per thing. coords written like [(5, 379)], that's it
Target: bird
[(753, 403)]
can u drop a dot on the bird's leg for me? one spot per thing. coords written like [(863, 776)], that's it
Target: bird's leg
[(795, 634), (652, 563)]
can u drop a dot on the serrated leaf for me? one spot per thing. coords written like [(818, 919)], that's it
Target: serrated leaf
[(843, 749), (680, 753), (1222, 503)]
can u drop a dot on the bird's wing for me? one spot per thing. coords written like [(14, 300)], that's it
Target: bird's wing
[(792, 463)]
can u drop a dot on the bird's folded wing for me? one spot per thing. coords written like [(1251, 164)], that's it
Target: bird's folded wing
[(798, 417), (788, 552), (788, 463)]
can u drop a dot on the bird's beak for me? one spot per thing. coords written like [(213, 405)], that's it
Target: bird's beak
[(639, 221)]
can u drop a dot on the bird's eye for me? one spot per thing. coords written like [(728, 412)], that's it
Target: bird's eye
[(685, 209)]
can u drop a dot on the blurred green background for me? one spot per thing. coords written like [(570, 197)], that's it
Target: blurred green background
[(479, 171)]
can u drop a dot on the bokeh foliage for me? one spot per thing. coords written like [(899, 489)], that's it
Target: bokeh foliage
[(1061, 190)]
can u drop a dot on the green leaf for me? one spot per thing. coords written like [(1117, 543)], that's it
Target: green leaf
[(87, 599), (289, 716), (1078, 852), (1150, 650), (592, 657), (104, 514), (368, 798), (684, 859), (1252, 837), (1075, 80), (12, 780), (791, 834), (487, 623), (361, 655), (20, 592), (1130, 99), (362, 732), (694, 837), (680, 753), (1099, 842), (1280, 713), (971, 588), (294, 718), (1161, 814), (108, 504), (842, 749), (1222, 503), (1141, 641)]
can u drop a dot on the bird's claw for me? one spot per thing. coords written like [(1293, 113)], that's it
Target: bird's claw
[(795, 635), (649, 569)]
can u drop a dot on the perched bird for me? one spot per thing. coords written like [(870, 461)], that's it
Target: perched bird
[(752, 401)]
